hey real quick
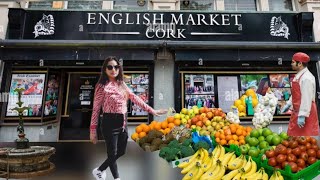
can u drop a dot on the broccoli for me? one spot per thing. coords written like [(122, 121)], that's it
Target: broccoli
[(169, 154), (187, 142), (174, 144), (201, 144), (162, 146), (187, 151)]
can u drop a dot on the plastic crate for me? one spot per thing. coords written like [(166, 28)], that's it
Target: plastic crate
[(307, 173)]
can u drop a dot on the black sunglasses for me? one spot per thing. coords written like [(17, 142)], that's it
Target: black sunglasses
[(110, 67)]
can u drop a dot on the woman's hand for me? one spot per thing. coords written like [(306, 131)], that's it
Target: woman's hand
[(161, 112), (93, 137)]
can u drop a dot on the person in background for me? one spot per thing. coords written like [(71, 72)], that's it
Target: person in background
[(304, 117), (112, 94)]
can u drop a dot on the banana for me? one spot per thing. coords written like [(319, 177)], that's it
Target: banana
[(237, 163), (231, 174), (253, 168), (191, 173), (199, 173), (226, 158), (220, 173), (206, 155), (248, 165), (237, 177), (215, 150), (222, 151), (189, 167), (233, 157), (193, 157), (264, 175), (217, 154), (207, 164), (211, 172), (259, 175), (280, 177)]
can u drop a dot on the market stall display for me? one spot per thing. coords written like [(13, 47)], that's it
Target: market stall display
[(205, 145)]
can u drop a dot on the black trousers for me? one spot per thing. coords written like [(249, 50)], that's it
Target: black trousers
[(116, 139)]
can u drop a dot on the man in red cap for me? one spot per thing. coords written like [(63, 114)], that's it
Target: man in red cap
[(304, 117)]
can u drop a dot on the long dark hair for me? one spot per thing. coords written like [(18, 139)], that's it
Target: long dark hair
[(104, 77)]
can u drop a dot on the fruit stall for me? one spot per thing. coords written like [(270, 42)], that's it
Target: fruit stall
[(207, 143)]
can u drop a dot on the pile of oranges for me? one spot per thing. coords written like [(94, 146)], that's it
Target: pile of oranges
[(232, 134), (164, 127)]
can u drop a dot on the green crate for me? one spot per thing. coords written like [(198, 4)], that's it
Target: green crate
[(308, 173)]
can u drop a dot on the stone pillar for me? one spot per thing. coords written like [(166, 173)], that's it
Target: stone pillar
[(263, 5), (312, 6), (163, 82), (164, 5), (107, 5), (220, 5)]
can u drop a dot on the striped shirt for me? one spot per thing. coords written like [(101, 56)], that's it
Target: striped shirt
[(113, 98)]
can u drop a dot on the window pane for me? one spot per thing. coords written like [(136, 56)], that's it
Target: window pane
[(84, 4), (40, 5), (204, 5), (130, 5), (240, 5), (280, 5)]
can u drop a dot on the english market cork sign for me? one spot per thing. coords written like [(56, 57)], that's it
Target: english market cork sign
[(181, 26)]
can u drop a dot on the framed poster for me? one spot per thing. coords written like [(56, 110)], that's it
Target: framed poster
[(52, 95), (228, 91), (31, 96), (258, 82), (279, 80), (198, 90), (138, 83)]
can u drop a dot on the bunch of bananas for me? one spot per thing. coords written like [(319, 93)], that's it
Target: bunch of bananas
[(276, 176), (203, 165)]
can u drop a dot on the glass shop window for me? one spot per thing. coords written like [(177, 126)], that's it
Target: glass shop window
[(130, 5), (203, 5), (40, 5), (85, 4), (280, 5), (240, 5)]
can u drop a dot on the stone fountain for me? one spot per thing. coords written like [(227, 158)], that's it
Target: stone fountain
[(24, 161)]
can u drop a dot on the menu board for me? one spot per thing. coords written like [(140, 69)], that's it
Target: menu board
[(228, 91), (199, 90), (81, 90), (138, 83), (33, 85)]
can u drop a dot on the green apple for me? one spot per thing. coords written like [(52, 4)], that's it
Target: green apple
[(276, 140), (266, 132), (187, 117), (261, 138), (190, 111), (284, 135), (269, 139), (254, 133), (263, 145), (244, 149)]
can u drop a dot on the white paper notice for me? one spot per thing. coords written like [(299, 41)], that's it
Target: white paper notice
[(228, 91)]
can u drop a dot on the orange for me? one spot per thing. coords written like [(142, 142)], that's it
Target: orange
[(248, 129), (222, 136), (233, 129), (151, 126), (235, 137), (244, 133), (170, 119), (164, 124), (138, 129), (142, 134), (239, 132), (143, 125), (236, 143), (134, 136), (177, 122), (227, 131), (167, 130), (146, 129), (170, 125), (217, 140), (157, 126), (223, 142), (228, 137), (217, 134), (241, 137), (231, 142), (242, 142)]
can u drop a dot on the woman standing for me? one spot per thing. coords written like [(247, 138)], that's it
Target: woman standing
[(112, 94)]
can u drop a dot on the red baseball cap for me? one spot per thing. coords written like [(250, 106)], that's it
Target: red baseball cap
[(301, 57)]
